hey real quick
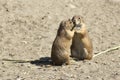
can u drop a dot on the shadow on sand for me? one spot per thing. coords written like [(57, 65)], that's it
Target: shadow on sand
[(42, 61)]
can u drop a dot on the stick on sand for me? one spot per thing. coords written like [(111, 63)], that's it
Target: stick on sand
[(18, 61), (108, 50)]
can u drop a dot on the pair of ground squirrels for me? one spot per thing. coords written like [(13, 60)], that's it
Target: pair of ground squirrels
[(73, 40)]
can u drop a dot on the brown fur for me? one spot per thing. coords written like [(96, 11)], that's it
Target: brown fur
[(60, 53), (82, 47)]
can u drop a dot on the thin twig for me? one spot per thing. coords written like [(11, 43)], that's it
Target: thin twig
[(18, 61), (108, 50)]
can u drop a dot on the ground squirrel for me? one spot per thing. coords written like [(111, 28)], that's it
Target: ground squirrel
[(60, 53), (82, 47)]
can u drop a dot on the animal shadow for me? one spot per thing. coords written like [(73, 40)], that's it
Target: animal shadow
[(42, 61)]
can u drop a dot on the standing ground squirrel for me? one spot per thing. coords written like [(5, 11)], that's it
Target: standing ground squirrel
[(60, 53), (82, 47)]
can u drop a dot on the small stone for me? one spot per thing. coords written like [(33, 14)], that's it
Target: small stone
[(104, 63), (116, 73), (113, 60), (24, 42), (25, 73), (44, 69), (39, 37), (22, 65), (19, 78), (103, 79), (2, 62), (118, 29), (3, 71), (47, 66), (88, 77), (49, 17), (55, 70), (73, 76), (96, 62), (89, 63), (10, 54), (118, 56), (71, 6), (29, 66)]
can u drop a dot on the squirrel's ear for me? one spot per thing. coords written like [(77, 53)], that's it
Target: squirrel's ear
[(69, 19), (82, 19), (73, 18), (62, 24)]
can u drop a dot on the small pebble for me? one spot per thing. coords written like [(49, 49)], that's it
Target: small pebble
[(118, 56), (55, 70), (71, 6), (116, 73), (24, 42), (22, 65), (3, 71), (88, 77), (73, 76), (19, 78), (104, 63), (2, 62), (113, 60), (96, 62)]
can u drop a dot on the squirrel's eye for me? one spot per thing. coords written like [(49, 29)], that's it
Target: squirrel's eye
[(68, 19), (70, 22), (79, 18)]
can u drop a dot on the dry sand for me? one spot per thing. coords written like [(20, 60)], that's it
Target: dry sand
[(28, 28)]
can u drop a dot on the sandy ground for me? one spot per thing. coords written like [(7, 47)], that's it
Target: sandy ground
[(28, 28)]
